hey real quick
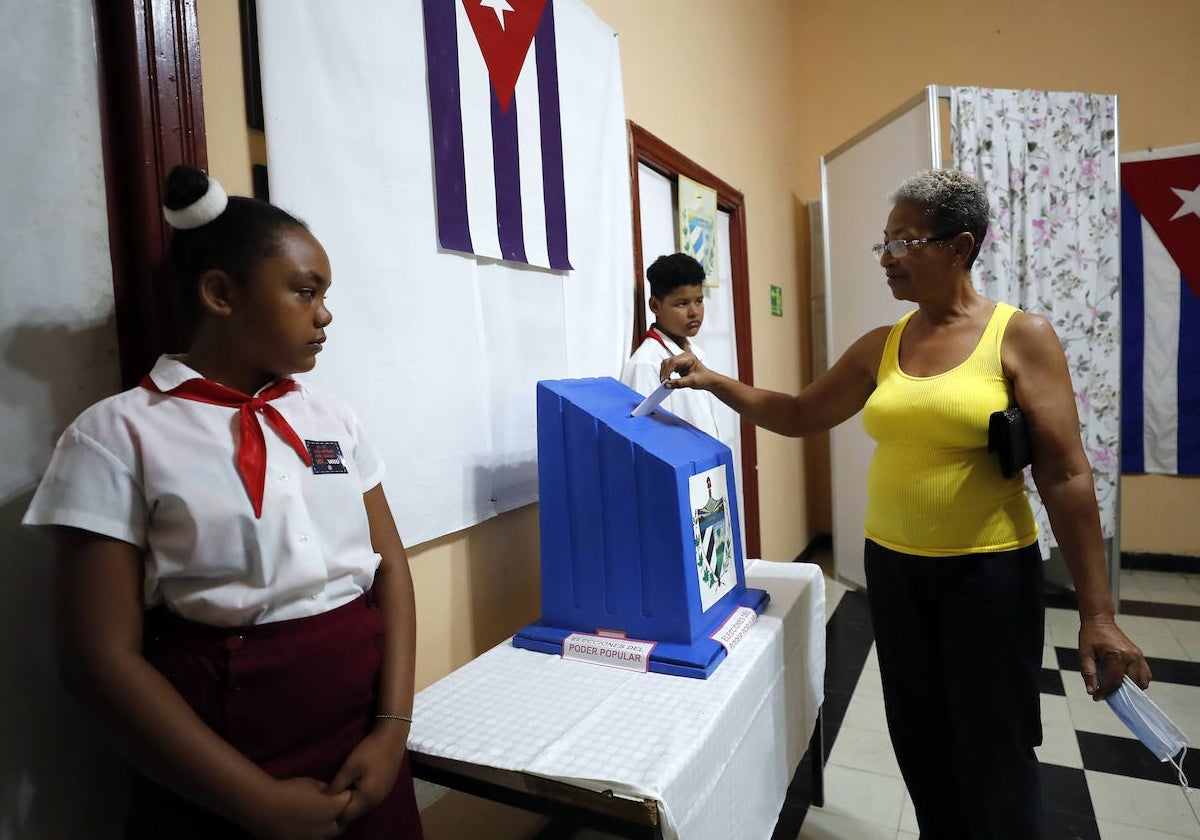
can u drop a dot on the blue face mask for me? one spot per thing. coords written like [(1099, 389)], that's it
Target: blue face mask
[(1153, 728), (1148, 722)]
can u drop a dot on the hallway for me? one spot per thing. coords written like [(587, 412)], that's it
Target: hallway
[(1099, 783)]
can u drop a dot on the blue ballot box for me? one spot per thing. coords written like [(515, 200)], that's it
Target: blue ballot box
[(639, 527)]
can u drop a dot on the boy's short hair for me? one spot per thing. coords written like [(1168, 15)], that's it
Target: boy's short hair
[(670, 271)]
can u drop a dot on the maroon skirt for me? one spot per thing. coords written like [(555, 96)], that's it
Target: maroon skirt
[(295, 697)]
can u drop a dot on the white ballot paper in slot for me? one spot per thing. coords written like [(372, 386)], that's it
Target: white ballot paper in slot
[(652, 402)]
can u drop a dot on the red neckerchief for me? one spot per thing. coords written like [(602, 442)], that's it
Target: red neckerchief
[(653, 333), (251, 444)]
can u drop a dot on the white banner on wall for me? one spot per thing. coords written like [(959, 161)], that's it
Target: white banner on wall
[(438, 351)]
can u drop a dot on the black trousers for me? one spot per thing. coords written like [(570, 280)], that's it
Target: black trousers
[(959, 641)]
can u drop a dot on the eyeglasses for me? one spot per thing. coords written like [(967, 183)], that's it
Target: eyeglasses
[(900, 247)]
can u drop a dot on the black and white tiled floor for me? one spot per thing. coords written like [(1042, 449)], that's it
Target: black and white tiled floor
[(1099, 782)]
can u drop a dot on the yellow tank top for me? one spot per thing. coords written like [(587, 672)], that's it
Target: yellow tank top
[(933, 489)]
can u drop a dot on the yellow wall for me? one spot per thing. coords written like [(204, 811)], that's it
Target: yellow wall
[(230, 149), (787, 81)]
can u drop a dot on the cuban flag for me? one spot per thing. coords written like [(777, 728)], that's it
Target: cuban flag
[(497, 129), (1160, 269)]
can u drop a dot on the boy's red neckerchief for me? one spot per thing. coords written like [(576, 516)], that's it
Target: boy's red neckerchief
[(653, 333)]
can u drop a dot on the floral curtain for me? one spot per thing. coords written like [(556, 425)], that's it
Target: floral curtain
[(1049, 163)]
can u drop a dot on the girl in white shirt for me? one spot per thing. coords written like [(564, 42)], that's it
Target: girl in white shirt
[(232, 593)]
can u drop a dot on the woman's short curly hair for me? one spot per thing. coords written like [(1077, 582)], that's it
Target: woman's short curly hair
[(953, 202)]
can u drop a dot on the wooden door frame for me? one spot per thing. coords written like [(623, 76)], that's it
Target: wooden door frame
[(151, 118), (645, 148)]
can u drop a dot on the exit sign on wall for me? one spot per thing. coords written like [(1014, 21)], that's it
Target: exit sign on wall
[(776, 300)]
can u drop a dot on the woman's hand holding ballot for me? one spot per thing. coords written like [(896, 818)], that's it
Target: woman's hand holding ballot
[(692, 372)]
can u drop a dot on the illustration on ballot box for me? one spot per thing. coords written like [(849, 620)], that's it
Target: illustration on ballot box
[(639, 529), (713, 534)]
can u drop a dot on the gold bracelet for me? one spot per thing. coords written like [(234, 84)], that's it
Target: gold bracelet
[(404, 718)]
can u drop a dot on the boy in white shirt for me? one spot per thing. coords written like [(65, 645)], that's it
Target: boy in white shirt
[(677, 302)]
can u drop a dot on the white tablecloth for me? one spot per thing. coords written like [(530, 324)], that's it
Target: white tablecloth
[(716, 754)]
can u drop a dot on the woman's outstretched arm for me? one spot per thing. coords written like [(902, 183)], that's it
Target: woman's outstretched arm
[(835, 396)]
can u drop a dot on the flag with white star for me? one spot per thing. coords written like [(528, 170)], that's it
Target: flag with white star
[(1160, 309), (497, 129)]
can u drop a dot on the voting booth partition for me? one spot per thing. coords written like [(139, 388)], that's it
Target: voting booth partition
[(640, 537)]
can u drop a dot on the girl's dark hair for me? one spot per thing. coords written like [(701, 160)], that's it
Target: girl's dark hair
[(246, 231)]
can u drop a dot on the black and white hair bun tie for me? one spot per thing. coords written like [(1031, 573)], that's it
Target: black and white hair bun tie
[(201, 211)]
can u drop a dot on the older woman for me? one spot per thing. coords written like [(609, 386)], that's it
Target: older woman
[(954, 574)]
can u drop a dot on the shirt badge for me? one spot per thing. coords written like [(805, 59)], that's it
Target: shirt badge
[(326, 457)]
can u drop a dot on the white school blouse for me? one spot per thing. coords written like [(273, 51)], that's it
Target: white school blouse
[(160, 472)]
